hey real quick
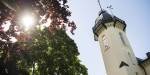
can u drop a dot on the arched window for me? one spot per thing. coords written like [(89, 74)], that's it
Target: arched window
[(105, 42)]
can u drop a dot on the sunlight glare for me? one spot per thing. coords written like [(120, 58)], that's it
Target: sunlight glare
[(27, 21)]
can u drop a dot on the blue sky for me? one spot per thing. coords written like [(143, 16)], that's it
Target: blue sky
[(136, 14)]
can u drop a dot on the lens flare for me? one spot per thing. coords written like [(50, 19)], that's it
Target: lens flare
[(27, 21)]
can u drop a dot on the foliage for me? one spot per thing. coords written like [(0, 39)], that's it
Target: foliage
[(52, 54), (42, 52)]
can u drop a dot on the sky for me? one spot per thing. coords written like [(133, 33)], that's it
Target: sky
[(134, 12)]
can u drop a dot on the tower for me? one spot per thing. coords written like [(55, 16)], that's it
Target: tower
[(117, 53)]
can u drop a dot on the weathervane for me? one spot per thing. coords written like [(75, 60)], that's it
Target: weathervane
[(100, 5), (110, 8)]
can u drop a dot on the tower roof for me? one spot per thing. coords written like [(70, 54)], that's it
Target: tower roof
[(144, 61), (105, 17)]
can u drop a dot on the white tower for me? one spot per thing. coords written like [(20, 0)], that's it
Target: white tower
[(117, 53)]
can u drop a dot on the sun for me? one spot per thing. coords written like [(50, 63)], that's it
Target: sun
[(27, 21)]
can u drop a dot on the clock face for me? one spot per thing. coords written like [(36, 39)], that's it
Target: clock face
[(105, 42)]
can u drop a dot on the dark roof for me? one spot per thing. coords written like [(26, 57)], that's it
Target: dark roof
[(105, 17), (141, 61)]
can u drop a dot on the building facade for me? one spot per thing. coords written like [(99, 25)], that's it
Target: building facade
[(116, 50)]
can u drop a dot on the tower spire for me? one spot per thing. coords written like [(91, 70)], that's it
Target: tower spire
[(100, 5)]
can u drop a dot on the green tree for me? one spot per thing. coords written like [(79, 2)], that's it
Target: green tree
[(52, 54), (42, 52)]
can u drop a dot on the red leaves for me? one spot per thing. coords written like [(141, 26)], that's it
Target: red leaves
[(73, 27), (56, 10)]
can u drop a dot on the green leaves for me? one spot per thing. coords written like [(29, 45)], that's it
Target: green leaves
[(54, 54), (40, 52)]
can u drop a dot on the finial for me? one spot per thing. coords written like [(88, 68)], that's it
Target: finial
[(100, 5)]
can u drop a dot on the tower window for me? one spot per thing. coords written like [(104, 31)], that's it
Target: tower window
[(105, 42), (123, 64)]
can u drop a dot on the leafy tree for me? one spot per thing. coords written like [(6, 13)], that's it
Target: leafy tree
[(52, 54), (47, 51)]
